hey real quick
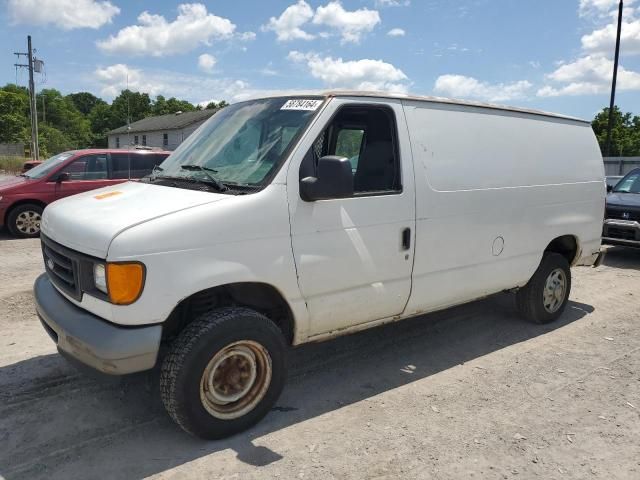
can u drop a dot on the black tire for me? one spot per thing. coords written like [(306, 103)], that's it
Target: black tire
[(530, 298), (16, 216), (191, 353)]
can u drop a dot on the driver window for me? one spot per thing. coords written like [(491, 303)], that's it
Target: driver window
[(367, 137)]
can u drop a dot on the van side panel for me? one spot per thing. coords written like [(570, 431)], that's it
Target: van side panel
[(494, 188)]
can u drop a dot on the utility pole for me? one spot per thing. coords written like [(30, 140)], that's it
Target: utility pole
[(35, 150), (615, 80)]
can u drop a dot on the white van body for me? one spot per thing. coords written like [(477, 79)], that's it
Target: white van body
[(485, 191)]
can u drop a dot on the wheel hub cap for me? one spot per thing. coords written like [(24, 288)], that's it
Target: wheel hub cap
[(235, 379), (555, 290), (28, 222)]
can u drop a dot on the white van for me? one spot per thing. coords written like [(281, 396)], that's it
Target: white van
[(287, 220)]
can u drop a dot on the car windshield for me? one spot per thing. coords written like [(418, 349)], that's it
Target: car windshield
[(47, 166), (629, 184), (242, 144)]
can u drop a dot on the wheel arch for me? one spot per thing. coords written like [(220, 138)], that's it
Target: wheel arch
[(566, 245), (262, 297)]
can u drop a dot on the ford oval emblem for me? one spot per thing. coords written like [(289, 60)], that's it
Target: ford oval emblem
[(626, 215), (50, 264)]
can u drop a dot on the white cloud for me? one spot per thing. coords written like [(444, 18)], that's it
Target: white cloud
[(350, 25), (206, 62), (393, 3), (603, 40), (460, 86), (65, 14), (589, 75), (396, 32), (287, 25), (600, 7), (197, 89), (157, 37), (364, 74), (247, 36)]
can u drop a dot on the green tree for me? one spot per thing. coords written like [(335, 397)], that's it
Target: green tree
[(129, 107), (52, 141), (625, 134), (162, 106), (62, 114), (85, 101), (221, 104), (13, 123), (101, 122)]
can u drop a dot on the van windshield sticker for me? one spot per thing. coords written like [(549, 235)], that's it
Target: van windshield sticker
[(107, 195), (301, 104)]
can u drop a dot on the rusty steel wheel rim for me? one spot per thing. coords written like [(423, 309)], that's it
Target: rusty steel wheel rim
[(28, 222), (235, 380), (555, 290)]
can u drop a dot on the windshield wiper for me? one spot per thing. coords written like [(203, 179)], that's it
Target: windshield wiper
[(197, 168)]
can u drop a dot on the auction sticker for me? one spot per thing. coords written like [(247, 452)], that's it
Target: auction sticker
[(102, 196), (302, 104)]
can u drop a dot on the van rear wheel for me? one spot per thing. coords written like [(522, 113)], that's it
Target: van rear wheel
[(224, 372), (545, 297), (24, 220)]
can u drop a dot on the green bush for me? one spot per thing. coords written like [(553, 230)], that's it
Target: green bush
[(11, 164)]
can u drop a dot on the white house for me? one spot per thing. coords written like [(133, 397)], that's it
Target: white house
[(164, 131)]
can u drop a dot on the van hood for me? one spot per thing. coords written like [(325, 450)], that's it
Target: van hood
[(89, 221)]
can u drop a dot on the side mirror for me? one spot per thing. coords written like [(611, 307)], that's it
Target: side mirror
[(609, 188), (63, 177), (334, 180)]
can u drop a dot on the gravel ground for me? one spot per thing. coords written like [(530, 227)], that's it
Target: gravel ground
[(472, 392)]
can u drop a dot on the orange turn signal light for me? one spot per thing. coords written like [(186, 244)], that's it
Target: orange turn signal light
[(125, 282)]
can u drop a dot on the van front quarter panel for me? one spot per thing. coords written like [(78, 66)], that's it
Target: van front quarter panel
[(240, 239)]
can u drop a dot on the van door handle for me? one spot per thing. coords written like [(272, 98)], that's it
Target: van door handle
[(406, 239)]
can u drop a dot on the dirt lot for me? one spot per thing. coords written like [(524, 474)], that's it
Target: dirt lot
[(473, 392)]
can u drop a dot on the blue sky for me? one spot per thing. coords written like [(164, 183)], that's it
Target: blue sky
[(548, 54)]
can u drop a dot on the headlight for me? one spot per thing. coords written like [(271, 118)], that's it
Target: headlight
[(100, 277), (122, 282), (125, 282)]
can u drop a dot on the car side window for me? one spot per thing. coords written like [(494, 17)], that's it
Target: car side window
[(367, 137), (88, 167), (133, 164)]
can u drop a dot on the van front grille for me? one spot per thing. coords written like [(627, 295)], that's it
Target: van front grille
[(61, 266)]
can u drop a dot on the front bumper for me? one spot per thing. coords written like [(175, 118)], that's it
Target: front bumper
[(621, 232), (92, 341)]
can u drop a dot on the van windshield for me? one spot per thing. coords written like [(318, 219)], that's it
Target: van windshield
[(47, 166), (242, 144)]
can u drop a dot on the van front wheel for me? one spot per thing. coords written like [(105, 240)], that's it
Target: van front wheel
[(545, 297), (224, 372)]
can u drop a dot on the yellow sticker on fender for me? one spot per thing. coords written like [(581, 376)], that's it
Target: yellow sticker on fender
[(107, 195)]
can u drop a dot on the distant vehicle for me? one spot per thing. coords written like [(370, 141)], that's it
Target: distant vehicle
[(612, 181), (257, 234), (28, 165), (622, 215), (23, 198)]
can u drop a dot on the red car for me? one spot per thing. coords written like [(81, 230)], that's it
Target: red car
[(23, 198)]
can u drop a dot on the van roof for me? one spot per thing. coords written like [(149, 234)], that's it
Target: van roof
[(424, 98)]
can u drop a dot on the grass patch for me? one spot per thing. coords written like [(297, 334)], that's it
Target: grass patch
[(11, 164)]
